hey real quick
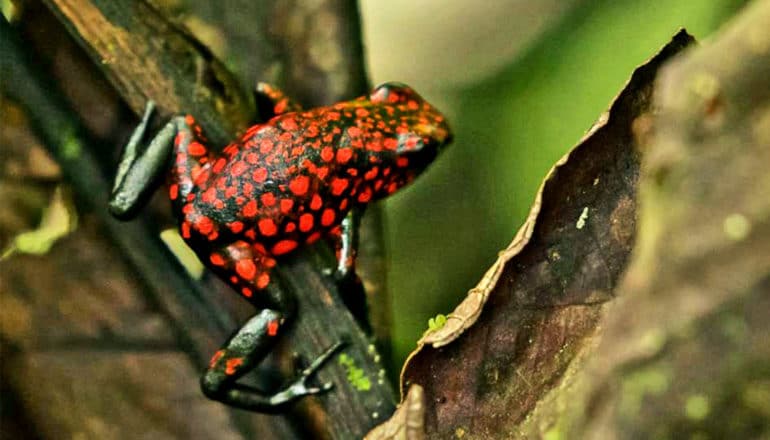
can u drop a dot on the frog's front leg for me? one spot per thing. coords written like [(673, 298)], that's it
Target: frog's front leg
[(346, 245), (345, 242), (271, 101), (139, 171)]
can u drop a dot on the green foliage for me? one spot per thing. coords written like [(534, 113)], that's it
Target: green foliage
[(59, 220), (182, 252)]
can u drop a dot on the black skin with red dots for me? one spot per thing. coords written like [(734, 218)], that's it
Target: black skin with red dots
[(299, 177)]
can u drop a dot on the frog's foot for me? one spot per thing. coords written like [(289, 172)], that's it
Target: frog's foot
[(299, 387)]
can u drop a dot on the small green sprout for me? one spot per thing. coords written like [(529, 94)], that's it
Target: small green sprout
[(436, 323)]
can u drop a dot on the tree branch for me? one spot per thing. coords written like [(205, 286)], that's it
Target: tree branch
[(155, 52)]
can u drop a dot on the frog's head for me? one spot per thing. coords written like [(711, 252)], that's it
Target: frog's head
[(422, 131)]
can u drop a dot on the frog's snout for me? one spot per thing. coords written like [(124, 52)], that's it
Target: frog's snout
[(443, 134), (439, 133)]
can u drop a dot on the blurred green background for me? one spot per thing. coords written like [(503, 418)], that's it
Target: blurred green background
[(521, 83)]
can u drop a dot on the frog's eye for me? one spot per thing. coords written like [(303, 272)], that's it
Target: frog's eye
[(393, 92)]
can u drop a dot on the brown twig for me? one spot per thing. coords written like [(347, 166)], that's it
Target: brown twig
[(138, 49)]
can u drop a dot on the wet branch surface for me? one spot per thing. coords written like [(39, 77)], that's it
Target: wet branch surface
[(144, 56)]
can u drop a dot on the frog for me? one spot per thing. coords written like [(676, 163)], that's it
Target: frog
[(296, 178)]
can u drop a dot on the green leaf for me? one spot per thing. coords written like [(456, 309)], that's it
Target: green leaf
[(58, 220), (182, 252)]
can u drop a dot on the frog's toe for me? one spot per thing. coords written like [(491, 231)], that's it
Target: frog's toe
[(322, 359), (326, 387)]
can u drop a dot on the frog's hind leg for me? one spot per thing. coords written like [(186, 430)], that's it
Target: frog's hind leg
[(242, 353), (249, 272)]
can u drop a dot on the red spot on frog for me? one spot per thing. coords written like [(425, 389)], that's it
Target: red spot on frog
[(232, 364), (173, 191), (313, 238), (196, 149), (365, 196), (219, 164), (316, 202), (217, 260), (259, 175), (299, 185), (267, 227), (204, 225), (272, 327), (263, 280), (284, 247), (265, 146), (214, 359), (327, 154), (268, 199), (327, 218), (286, 205), (246, 269), (238, 168), (344, 155), (338, 185), (289, 124), (185, 229), (236, 227), (306, 222), (209, 195), (250, 209), (371, 174)]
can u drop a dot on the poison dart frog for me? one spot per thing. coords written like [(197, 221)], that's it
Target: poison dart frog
[(301, 176)]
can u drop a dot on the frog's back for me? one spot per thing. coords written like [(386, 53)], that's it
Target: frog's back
[(286, 181)]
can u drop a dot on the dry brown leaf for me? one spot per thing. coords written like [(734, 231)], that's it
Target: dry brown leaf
[(407, 423), (535, 310)]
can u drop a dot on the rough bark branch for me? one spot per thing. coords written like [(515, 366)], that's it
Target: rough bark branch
[(138, 49)]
